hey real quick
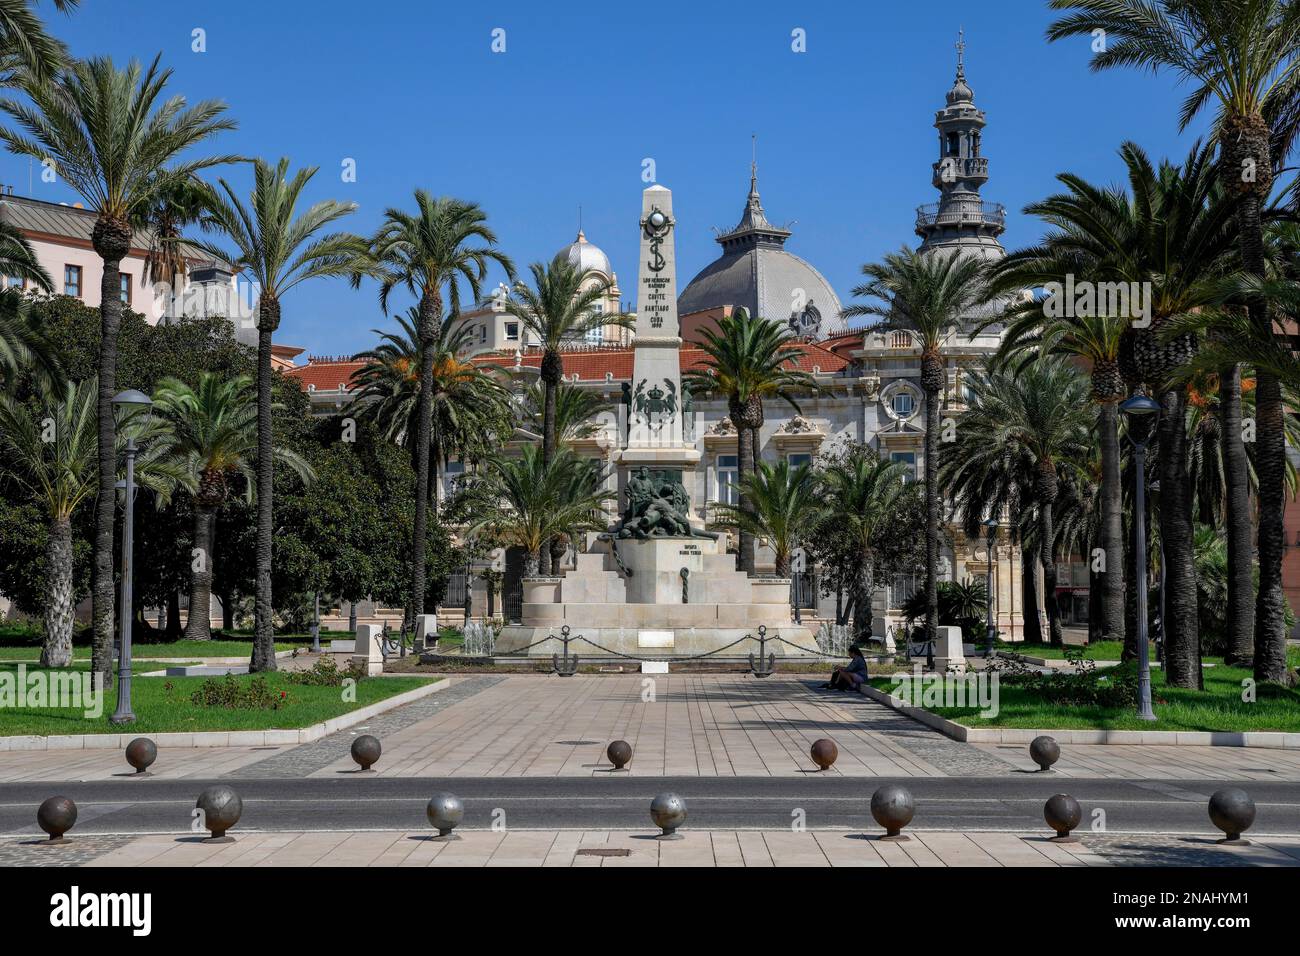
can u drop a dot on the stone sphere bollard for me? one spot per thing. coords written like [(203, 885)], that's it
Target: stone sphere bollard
[(619, 753), (445, 811), (1045, 751), (222, 809), (1062, 813), (140, 754), (668, 812), (56, 816), (893, 807), (1233, 812), (365, 751), (824, 753)]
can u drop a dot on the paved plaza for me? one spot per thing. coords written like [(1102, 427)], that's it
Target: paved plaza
[(529, 749), (708, 848), (706, 725)]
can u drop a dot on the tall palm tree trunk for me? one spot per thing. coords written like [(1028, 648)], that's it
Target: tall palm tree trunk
[(1237, 521), (551, 371), (1181, 623), (268, 320), (56, 651), (931, 513), (430, 310), (111, 240), (198, 627), (744, 466), (1047, 487), (1112, 625), (1270, 465), (1033, 629)]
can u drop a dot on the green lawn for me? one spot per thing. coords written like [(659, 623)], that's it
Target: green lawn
[(25, 646), (1109, 651), (162, 704), (1218, 707), (1097, 650)]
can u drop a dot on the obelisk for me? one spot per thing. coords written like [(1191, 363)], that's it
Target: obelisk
[(656, 412)]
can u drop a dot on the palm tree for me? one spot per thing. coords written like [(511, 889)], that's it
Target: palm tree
[(1242, 57), (26, 49), (117, 144), (214, 434), (180, 205), (1037, 417), (982, 484), (471, 409), (278, 250), (526, 502), (437, 246), (747, 359), (1077, 246), (574, 410), (559, 308), (20, 344), (860, 492), (54, 456), (785, 507), (929, 296)]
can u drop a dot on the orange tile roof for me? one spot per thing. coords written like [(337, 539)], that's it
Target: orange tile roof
[(591, 365), (326, 376)]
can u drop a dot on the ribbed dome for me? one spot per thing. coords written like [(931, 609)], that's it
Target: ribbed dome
[(586, 255), (755, 272), (960, 93)]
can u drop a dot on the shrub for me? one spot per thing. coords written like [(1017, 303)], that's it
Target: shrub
[(231, 694), (1084, 687), (325, 673)]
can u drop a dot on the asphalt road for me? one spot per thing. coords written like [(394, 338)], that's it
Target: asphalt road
[(614, 801)]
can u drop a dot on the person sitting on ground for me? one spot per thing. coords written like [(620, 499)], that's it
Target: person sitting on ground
[(852, 676)]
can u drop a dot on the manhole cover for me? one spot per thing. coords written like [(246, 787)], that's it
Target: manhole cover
[(604, 851)]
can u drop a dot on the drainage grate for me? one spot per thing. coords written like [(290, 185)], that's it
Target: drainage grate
[(604, 851)]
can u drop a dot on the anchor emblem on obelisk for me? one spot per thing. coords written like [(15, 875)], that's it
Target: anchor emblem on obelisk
[(656, 226)]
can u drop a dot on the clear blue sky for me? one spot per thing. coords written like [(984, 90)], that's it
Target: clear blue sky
[(584, 92)]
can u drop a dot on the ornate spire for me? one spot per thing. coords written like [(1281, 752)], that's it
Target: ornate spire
[(961, 53), (753, 221)]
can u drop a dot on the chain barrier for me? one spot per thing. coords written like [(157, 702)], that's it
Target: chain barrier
[(691, 657)]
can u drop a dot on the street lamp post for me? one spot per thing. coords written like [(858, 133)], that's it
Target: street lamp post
[(991, 524), (128, 402), (1139, 409)]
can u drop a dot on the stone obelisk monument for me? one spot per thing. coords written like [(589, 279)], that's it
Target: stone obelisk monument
[(657, 406)]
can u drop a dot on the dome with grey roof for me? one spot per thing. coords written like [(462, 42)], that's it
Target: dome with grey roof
[(586, 255), (755, 272)]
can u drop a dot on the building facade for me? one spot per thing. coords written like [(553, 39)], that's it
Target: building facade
[(869, 381)]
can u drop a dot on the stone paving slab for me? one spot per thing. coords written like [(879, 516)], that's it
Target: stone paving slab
[(616, 848), (678, 725), (701, 725)]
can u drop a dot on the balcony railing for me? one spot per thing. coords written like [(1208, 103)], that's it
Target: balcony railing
[(958, 213)]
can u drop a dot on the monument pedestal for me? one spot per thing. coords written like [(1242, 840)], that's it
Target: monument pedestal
[(650, 612)]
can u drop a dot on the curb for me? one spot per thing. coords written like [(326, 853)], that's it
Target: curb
[(225, 738), (1264, 740)]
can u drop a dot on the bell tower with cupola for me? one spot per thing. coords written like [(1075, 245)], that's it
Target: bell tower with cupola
[(961, 219)]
